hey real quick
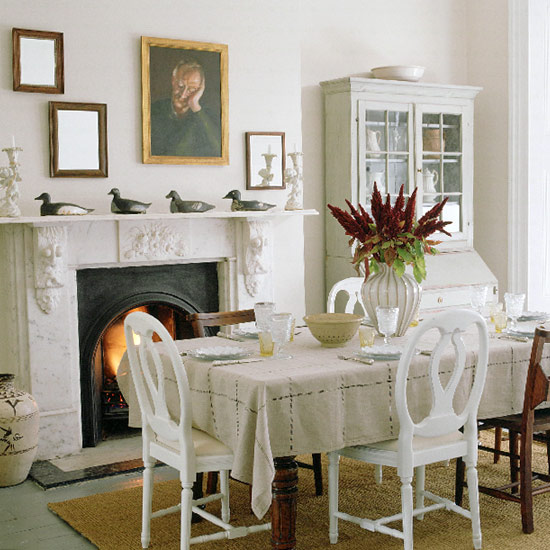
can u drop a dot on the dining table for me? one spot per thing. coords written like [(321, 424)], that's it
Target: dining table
[(268, 410)]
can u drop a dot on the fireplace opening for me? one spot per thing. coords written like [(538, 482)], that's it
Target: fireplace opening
[(105, 298)]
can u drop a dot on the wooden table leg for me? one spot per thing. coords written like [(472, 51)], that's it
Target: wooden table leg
[(283, 504)]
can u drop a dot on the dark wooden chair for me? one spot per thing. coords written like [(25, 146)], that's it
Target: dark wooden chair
[(531, 424), (224, 318)]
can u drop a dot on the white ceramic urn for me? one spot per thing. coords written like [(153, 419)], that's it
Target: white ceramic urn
[(386, 288), (19, 419)]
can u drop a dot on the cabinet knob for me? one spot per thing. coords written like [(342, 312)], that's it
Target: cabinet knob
[(440, 300)]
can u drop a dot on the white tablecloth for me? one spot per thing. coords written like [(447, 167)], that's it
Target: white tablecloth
[(316, 402)]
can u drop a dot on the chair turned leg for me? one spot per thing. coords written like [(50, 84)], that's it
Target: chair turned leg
[(407, 510), (378, 474), (459, 481), (224, 490), (473, 496), (498, 444), (526, 483), (420, 473), (514, 463), (333, 467), (317, 473), (147, 502), (186, 503)]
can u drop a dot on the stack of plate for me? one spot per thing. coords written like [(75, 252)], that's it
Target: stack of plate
[(219, 353), (380, 353)]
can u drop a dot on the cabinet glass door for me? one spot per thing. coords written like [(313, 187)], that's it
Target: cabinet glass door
[(385, 147), (441, 169)]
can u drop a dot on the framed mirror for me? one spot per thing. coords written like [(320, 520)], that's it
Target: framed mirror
[(265, 160), (78, 140), (38, 61)]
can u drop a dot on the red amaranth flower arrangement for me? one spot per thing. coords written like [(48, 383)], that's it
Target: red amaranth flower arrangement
[(391, 236)]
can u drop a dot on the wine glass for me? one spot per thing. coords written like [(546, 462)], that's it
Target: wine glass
[(478, 297), (514, 307), (387, 322), (281, 324)]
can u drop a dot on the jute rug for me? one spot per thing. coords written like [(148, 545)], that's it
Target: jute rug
[(112, 521)]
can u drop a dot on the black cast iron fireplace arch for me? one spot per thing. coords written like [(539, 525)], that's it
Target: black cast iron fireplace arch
[(106, 294)]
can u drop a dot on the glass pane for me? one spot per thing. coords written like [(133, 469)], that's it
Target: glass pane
[(398, 131), (452, 133), (376, 172), (398, 174), (431, 134), (452, 212), (375, 130), (429, 203), (452, 174)]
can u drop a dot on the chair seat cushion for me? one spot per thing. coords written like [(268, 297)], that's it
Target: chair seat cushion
[(205, 445), (419, 443)]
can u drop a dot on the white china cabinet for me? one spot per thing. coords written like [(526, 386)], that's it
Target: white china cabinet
[(395, 133)]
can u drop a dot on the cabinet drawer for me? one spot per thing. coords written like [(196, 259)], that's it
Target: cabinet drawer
[(441, 298)]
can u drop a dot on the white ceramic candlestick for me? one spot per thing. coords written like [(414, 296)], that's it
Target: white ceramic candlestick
[(265, 173), (9, 177), (294, 182)]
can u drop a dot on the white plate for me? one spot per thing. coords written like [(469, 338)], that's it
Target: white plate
[(247, 332), (521, 332), (380, 353), (533, 316), (219, 353)]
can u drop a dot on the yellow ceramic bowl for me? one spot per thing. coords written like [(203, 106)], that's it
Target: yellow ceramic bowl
[(333, 329)]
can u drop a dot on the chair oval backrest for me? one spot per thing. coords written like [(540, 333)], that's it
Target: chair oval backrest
[(352, 287), (442, 418), (149, 372)]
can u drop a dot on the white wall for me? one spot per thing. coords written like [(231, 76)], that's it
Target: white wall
[(349, 38), (487, 25), (278, 54), (102, 65)]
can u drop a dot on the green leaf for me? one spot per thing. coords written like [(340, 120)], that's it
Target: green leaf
[(373, 266), (405, 255), (417, 274), (387, 244), (399, 267), (418, 248)]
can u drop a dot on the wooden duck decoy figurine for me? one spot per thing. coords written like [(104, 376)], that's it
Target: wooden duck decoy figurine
[(179, 205), (239, 205), (126, 206), (49, 208)]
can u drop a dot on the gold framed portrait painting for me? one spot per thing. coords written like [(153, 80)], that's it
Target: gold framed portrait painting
[(184, 102)]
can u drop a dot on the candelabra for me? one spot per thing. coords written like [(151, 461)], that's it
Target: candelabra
[(9, 177), (294, 181)]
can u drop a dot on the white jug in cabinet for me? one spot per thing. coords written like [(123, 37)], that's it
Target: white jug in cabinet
[(373, 140), (430, 178)]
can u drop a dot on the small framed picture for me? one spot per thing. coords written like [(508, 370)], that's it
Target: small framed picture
[(78, 140), (184, 102), (37, 61), (265, 160)]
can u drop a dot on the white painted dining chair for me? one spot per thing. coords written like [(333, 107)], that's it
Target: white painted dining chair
[(435, 438), (174, 441), (350, 286)]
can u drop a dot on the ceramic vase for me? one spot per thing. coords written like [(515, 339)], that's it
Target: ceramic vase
[(18, 432), (386, 288)]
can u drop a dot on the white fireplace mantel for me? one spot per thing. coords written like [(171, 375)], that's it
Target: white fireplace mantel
[(257, 254)]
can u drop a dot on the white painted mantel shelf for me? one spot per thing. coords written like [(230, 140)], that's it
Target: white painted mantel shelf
[(259, 257), (38, 221)]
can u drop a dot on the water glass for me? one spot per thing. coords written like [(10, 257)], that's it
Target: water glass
[(514, 307), (499, 318), (387, 321), (281, 324), (366, 336), (478, 297), (266, 344), (263, 312), (495, 308)]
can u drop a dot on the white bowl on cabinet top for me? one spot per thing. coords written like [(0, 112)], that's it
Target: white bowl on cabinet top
[(411, 73)]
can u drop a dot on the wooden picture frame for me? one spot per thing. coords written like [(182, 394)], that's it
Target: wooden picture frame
[(184, 102), (38, 61), (265, 160), (78, 140)]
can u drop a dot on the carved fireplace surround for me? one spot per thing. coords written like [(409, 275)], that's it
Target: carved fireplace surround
[(38, 295)]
